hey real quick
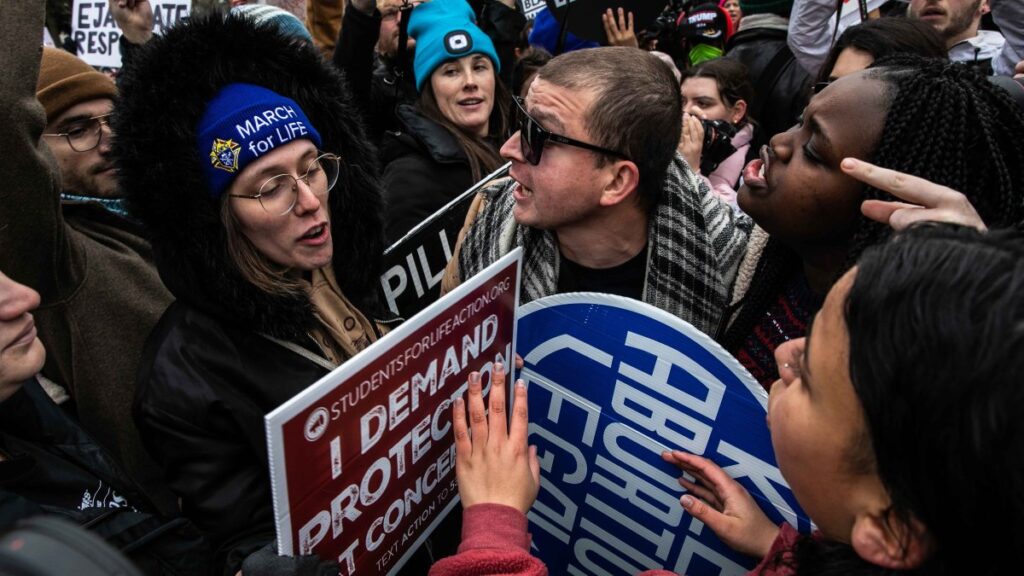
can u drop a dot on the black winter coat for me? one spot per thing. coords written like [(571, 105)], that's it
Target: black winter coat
[(424, 169), (780, 95), (208, 374), (202, 393), (376, 81), (53, 467)]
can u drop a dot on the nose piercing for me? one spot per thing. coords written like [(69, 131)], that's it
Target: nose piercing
[(785, 365)]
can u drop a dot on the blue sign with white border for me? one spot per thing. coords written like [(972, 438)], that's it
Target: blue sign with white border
[(612, 383)]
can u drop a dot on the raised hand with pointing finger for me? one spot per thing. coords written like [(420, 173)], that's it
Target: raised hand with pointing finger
[(925, 201)]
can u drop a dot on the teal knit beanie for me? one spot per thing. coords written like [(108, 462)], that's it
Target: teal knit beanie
[(446, 30)]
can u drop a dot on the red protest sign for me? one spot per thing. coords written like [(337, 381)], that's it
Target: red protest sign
[(363, 462)]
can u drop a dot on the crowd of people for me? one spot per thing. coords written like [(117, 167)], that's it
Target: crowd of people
[(187, 246)]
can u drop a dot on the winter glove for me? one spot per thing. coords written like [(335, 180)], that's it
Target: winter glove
[(266, 562)]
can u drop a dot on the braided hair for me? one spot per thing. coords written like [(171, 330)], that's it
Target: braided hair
[(946, 123)]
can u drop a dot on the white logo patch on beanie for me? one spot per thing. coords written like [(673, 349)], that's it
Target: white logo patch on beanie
[(458, 42)]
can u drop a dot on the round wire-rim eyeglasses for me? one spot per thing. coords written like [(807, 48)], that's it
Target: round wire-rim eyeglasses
[(278, 198)]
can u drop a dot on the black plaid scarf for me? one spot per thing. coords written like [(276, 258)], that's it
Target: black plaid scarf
[(695, 244)]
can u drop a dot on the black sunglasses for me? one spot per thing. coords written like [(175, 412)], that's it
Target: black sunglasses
[(532, 138)]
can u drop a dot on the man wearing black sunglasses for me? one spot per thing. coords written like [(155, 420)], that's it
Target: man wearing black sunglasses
[(63, 232), (599, 199)]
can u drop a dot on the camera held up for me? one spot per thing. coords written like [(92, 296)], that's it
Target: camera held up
[(717, 144)]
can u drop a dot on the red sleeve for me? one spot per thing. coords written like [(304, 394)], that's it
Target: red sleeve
[(494, 541), (783, 543), (781, 547)]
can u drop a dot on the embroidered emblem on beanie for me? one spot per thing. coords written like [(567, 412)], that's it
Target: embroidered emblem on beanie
[(225, 155), (242, 123)]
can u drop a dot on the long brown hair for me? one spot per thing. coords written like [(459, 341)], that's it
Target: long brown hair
[(255, 267), (480, 150)]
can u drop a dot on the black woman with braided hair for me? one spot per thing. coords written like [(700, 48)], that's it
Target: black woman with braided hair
[(928, 118)]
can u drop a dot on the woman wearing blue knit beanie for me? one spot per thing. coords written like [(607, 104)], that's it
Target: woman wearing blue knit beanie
[(247, 164), (450, 138)]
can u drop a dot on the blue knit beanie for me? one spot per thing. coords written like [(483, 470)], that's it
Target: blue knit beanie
[(242, 123), (446, 30)]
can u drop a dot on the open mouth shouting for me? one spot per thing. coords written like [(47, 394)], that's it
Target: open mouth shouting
[(316, 236), (756, 172)]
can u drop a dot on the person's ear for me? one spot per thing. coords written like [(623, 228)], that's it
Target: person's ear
[(887, 541), (984, 8), (738, 111), (624, 180)]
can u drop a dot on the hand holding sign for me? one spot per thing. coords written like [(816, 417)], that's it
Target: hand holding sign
[(723, 505), (494, 465), (926, 201), (613, 384)]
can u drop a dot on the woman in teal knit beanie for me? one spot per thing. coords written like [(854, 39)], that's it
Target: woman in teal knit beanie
[(450, 138)]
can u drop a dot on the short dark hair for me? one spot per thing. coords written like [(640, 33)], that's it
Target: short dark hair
[(936, 324), (534, 59), (637, 110), (730, 75), (886, 37)]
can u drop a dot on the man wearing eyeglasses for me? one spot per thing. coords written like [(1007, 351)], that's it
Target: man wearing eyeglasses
[(78, 102), (600, 201), (64, 232)]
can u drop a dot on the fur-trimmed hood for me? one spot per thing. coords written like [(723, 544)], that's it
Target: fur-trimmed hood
[(164, 92)]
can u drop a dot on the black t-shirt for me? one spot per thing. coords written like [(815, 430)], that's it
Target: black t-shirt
[(626, 279)]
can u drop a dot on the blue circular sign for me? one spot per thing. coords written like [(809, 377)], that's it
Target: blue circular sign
[(612, 383)]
